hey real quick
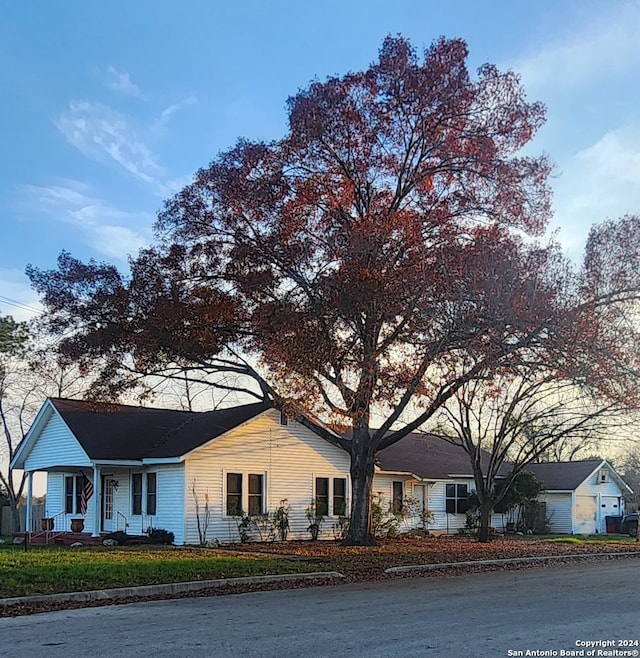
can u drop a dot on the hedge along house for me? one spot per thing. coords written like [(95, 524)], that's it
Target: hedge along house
[(137, 468), (580, 495)]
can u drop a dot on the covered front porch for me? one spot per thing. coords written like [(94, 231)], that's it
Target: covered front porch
[(83, 503)]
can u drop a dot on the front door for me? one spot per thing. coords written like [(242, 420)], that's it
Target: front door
[(108, 515), (420, 495)]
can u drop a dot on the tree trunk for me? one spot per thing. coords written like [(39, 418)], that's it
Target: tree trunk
[(362, 468), (484, 534), (15, 516)]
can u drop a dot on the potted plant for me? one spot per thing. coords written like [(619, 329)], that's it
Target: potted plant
[(46, 523), (77, 525)]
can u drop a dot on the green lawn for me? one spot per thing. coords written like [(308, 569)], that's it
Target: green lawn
[(589, 539), (48, 570), (51, 569)]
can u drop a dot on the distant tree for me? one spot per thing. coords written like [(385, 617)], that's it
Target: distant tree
[(511, 419), (13, 338), (579, 387), (628, 465), (29, 372)]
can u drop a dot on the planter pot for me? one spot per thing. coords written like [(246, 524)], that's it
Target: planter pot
[(77, 525), (46, 523)]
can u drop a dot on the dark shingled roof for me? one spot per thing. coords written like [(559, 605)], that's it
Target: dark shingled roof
[(428, 456), (559, 476), (117, 431)]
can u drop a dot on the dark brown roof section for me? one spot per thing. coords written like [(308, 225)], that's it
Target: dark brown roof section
[(122, 432), (564, 476), (428, 456)]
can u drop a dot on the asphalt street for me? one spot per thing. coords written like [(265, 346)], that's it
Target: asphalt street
[(543, 609)]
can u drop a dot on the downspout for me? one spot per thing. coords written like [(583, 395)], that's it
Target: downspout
[(29, 511), (97, 497)]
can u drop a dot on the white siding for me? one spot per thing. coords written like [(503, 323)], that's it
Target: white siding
[(435, 502), (290, 457), (56, 446), (599, 494), (55, 498), (449, 523), (169, 505), (56, 502), (171, 500), (558, 511)]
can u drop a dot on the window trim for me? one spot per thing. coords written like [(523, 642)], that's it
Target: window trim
[(331, 496), (459, 502), (244, 492), (143, 494), (73, 496)]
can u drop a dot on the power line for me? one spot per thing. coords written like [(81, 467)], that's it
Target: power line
[(17, 304)]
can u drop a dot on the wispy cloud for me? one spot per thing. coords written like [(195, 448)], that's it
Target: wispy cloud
[(121, 82), (112, 232), (608, 44), (599, 182), (168, 112), (160, 125), (106, 135)]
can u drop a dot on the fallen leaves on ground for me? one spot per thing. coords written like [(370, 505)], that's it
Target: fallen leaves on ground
[(360, 564)]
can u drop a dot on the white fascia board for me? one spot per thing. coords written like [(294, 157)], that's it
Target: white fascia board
[(162, 460), (46, 411), (401, 473), (117, 462)]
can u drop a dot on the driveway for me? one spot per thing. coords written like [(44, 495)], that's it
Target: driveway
[(483, 614)]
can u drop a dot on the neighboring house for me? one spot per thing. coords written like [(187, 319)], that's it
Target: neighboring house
[(581, 494), (119, 467), (432, 470)]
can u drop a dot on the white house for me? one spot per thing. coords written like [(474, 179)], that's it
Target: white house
[(581, 494), (149, 467)]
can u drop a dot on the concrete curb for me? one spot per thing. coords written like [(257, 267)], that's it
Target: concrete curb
[(169, 588), (504, 561)]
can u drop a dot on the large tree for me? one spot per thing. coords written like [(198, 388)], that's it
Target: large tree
[(351, 267)]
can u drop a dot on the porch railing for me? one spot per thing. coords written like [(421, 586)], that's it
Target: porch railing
[(121, 522), (50, 526)]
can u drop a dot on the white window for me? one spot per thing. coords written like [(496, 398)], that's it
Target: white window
[(245, 491), (144, 494), (330, 495)]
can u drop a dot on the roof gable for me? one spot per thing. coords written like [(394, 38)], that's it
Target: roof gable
[(123, 432), (564, 476)]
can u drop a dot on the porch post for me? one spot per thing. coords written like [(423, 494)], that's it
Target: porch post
[(97, 497), (29, 510)]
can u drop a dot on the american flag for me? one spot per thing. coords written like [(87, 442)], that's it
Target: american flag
[(87, 492)]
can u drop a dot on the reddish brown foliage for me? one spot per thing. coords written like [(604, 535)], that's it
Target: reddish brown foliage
[(372, 258)]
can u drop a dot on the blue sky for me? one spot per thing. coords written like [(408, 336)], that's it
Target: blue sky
[(110, 107)]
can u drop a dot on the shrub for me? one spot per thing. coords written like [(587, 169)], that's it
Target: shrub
[(160, 536)]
